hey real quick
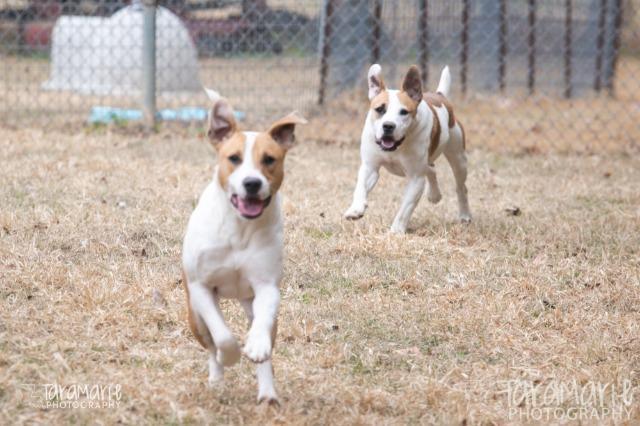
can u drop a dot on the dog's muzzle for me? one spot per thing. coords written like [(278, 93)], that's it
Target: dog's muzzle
[(388, 143), (250, 207)]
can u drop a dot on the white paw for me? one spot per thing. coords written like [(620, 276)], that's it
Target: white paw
[(228, 351), (216, 373), (269, 397), (354, 212), (465, 217), (434, 196), (258, 346), (398, 229), (215, 381)]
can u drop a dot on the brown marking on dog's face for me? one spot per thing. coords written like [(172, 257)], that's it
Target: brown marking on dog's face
[(268, 157), (270, 148), (380, 103), (435, 132), (408, 103), (230, 156), (438, 100)]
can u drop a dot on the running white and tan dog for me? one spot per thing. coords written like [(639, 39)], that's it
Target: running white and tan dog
[(233, 244), (405, 132)]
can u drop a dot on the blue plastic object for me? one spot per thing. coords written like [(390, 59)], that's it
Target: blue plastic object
[(105, 115)]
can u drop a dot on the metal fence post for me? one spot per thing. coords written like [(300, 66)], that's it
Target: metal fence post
[(502, 65), (377, 18), (617, 27), (464, 54), (531, 76), (597, 84), (568, 89), (149, 63), (423, 44), (325, 48)]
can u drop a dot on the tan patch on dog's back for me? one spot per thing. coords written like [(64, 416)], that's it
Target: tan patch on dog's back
[(409, 104), (233, 146), (464, 136), (264, 147), (381, 98), (435, 132), (438, 100)]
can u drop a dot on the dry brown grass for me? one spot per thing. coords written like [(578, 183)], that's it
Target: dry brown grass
[(375, 329)]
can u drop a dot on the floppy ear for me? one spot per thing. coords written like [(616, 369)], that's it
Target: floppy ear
[(374, 80), (282, 130), (412, 84), (222, 123)]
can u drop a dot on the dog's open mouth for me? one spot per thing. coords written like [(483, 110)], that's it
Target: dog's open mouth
[(250, 207), (388, 143)]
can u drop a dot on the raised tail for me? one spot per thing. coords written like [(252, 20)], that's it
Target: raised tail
[(445, 82)]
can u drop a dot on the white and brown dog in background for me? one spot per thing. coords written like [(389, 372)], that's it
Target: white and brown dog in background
[(405, 132), (233, 243)]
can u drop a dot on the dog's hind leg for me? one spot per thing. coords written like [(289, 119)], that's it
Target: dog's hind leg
[(455, 155), (202, 335), (205, 305), (201, 332), (264, 370), (433, 194)]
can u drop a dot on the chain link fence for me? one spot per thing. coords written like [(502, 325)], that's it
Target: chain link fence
[(531, 70)]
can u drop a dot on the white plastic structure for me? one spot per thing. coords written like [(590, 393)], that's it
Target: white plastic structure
[(103, 56)]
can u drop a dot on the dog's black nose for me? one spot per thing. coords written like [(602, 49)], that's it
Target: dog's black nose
[(388, 127), (252, 185)]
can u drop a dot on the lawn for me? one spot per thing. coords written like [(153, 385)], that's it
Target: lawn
[(441, 325)]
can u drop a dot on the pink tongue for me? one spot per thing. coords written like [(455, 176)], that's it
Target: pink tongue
[(388, 143), (250, 207)]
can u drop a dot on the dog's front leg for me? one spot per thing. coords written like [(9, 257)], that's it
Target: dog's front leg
[(412, 194), (367, 178), (264, 370), (265, 310)]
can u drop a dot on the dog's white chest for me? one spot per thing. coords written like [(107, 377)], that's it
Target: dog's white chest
[(394, 167), (221, 268)]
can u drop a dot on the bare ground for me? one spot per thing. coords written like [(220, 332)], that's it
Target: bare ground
[(430, 327)]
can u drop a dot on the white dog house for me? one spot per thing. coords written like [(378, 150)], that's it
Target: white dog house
[(104, 55)]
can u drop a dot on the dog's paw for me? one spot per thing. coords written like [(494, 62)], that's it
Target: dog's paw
[(215, 381), (465, 218), (216, 373), (270, 398), (228, 351), (258, 346), (398, 229), (434, 195), (354, 213)]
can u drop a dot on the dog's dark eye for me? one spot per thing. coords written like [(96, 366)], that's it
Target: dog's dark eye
[(235, 159), (381, 109), (268, 160), (404, 112)]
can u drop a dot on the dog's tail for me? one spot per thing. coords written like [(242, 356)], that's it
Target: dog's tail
[(445, 82)]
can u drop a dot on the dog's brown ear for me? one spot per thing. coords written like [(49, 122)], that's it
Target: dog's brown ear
[(412, 84), (282, 131), (222, 122), (374, 80)]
